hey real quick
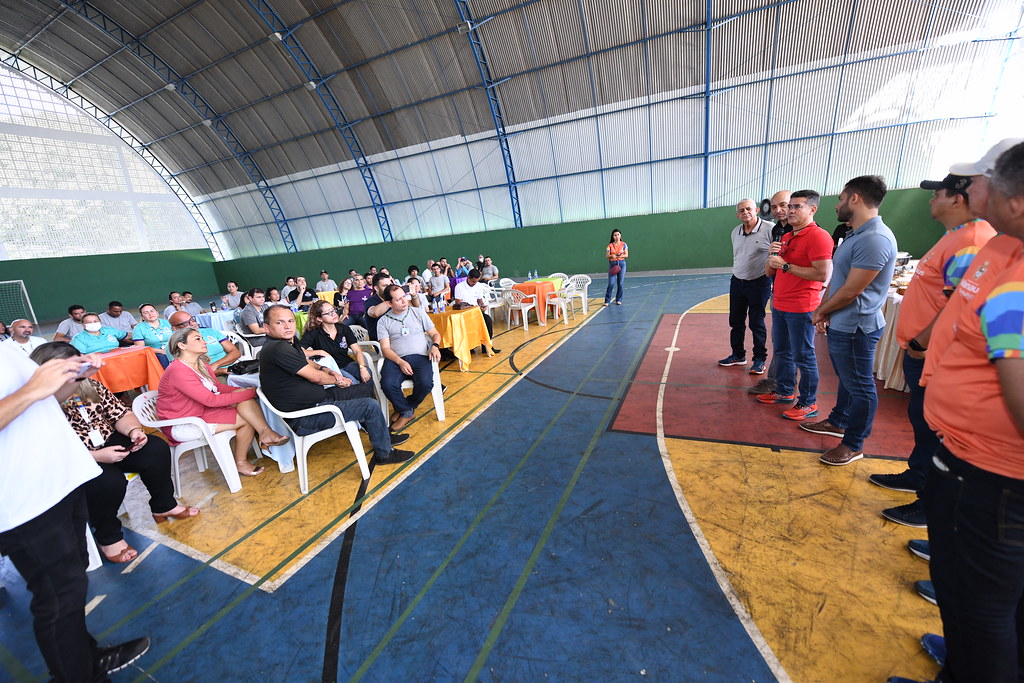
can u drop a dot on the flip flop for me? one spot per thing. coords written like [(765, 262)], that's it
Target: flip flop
[(124, 556)]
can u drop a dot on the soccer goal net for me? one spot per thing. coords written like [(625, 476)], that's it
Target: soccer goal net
[(14, 302)]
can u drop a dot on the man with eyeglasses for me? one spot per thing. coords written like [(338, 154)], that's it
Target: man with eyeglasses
[(219, 348), (800, 263)]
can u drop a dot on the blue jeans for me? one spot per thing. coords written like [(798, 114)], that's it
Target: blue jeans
[(793, 339), (976, 538), (366, 411), (853, 358), (926, 441), (391, 378), (615, 281)]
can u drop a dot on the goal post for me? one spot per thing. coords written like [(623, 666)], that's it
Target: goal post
[(14, 302)]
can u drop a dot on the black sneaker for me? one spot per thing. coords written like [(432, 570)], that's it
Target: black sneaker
[(399, 439), (894, 482), (911, 514), (118, 657), (765, 386), (920, 547), (494, 350), (394, 457), (732, 360)]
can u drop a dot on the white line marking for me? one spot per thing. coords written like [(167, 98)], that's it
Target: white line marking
[(716, 568), (143, 555), (92, 604)]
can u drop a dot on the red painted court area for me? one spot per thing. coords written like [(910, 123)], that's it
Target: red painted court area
[(704, 401)]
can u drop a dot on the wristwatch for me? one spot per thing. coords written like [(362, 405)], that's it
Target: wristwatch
[(435, 344), (785, 267)]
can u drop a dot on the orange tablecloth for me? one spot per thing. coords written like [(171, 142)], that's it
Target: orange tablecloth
[(129, 368), (461, 331), (541, 288)]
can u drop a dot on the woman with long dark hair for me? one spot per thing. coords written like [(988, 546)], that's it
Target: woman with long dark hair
[(118, 444), (616, 253), (325, 332)]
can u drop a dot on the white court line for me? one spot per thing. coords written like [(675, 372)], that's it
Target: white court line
[(716, 568), (93, 604), (143, 555)]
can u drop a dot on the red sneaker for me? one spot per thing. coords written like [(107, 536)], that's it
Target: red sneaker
[(801, 412), (775, 397)]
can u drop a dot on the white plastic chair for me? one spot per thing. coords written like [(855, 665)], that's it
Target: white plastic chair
[(521, 303), (436, 393), (496, 300), (579, 289), (506, 283), (304, 443), (144, 407), (559, 300), (238, 339), (249, 337), (360, 332), (561, 275)]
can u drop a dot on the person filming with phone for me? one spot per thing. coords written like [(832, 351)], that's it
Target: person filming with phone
[(115, 439)]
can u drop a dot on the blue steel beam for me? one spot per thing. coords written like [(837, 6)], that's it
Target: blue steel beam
[(330, 102), (490, 89), (135, 46)]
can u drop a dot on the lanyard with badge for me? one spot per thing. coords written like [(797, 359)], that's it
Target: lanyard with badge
[(405, 329), (95, 438)]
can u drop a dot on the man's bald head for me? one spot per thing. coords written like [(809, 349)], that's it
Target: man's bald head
[(780, 204), (21, 329), (181, 319)]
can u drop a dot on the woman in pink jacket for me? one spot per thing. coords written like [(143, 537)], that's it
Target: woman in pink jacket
[(188, 389)]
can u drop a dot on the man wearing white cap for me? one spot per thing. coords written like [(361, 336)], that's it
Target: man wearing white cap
[(974, 493)]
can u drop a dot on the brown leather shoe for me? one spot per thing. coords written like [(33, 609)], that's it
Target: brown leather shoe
[(840, 455)]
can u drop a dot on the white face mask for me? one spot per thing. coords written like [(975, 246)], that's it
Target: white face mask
[(93, 327)]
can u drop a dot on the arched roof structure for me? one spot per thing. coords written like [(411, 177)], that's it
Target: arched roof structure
[(300, 124)]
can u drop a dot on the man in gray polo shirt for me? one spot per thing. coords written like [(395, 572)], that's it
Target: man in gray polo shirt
[(851, 310), (403, 333), (749, 287)]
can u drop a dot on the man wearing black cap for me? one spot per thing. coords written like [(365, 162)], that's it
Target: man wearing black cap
[(936, 276), (326, 284)]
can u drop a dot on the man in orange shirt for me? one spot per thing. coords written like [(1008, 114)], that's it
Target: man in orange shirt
[(937, 275), (974, 495)]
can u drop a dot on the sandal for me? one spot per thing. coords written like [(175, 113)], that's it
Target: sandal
[(127, 554), (188, 512), (268, 443), (256, 471)]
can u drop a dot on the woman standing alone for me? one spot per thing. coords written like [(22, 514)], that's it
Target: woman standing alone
[(617, 253)]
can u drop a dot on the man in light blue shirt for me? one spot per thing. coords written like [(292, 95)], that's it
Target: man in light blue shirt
[(851, 310)]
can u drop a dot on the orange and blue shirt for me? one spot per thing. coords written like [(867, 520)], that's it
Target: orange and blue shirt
[(965, 402)]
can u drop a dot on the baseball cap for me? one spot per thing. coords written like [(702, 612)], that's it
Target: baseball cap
[(985, 164), (324, 272), (952, 183)]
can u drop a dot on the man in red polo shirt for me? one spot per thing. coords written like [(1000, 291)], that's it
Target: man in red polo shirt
[(937, 275), (974, 493), (800, 263)]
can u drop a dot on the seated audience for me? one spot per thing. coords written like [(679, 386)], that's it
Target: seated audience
[(116, 317), (273, 296), (372, 272), (462, 270), (118, 443), (375, 305), (417, 299), (292, 382), (191, 307), (177, 304), (96, 338), (414, 274), (403, 333), (252, 315), (301, 297), (233, 299), (153, 332), (325, 332), (438, 286), (4, 335), (289, 287), (220, 350), (189, 389), (326, 284), (71, 325), (446, 269), (489, 271), (357, 298), (472, 291), (21, 336)]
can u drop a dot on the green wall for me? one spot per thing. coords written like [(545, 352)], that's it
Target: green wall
[(53, 284), (669, 241)]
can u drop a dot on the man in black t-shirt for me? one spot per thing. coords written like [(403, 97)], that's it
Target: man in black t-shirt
[(291, 382), (375, 305)]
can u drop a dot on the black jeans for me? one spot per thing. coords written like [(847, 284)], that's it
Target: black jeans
[(926, 441), (747, 300), (51, 554), (976, 537), (104, 494)]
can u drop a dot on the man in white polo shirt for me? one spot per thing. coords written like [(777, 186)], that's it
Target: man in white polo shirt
[(43, 466), (21, 337), (749, 287)]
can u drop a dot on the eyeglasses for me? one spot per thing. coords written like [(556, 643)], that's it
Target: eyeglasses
[(798, 207), (183, 323), (329, 311)]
